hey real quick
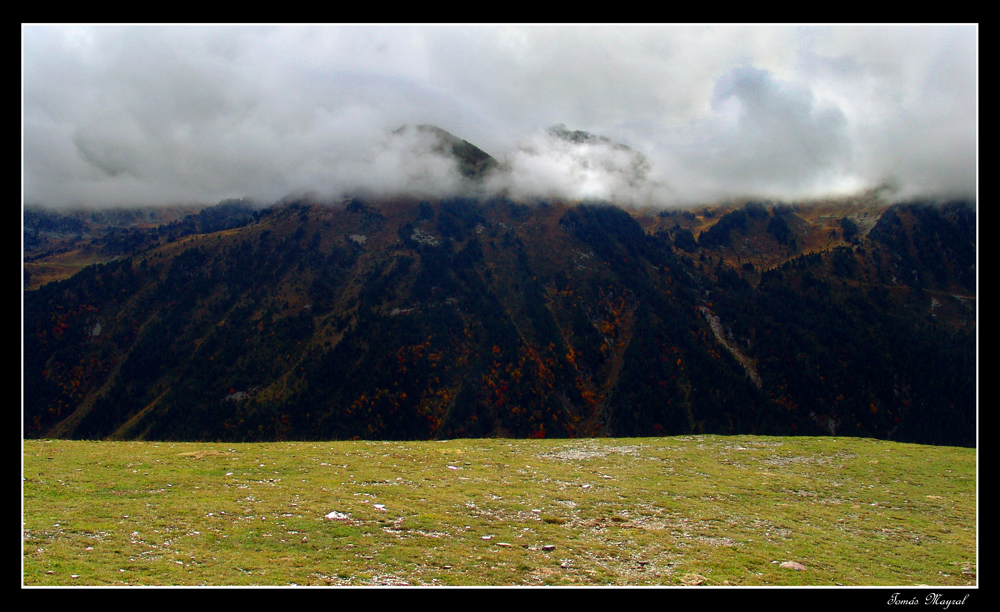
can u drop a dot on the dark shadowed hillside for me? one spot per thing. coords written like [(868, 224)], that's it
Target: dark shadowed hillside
[(405, 319)]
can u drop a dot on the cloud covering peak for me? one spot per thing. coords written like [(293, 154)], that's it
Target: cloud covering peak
[(662, 115)]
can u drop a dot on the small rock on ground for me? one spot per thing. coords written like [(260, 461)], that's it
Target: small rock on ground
[(794, 565)]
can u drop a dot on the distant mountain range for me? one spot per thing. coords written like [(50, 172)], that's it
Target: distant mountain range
[(402, 318)]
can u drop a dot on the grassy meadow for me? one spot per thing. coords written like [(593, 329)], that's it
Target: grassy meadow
[(691, 510)]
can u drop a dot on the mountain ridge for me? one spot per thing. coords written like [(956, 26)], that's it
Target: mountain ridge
[(404, 318), (473, 163)]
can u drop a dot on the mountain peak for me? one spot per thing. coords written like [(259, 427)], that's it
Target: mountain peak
[(581, 137), (472, 161)]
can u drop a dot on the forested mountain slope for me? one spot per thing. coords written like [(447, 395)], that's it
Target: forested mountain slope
[(406, 319)]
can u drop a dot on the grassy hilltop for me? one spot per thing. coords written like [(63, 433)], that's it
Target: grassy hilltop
[(692, 510)]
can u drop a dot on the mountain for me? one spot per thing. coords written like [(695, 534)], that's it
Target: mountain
[(407, 319), (622, 159), (58, 245), (473, 163), (581, 137)]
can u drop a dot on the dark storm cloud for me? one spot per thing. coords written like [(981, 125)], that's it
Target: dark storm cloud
[(123, 115)]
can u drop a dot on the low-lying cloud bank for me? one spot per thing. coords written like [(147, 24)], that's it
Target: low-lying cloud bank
[(138, 115)]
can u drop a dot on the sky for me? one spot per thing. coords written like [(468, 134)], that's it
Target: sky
[(149, 115)]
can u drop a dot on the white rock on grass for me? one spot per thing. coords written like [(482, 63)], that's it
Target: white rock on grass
[(337, 516)]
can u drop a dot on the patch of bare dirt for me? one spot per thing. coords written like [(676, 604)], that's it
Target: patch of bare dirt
[(205, 453), (590, 451)]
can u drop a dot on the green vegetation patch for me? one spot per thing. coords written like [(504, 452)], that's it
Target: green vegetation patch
[(708, 510)]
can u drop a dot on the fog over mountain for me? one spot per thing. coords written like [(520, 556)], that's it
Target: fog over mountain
[(119, 115)]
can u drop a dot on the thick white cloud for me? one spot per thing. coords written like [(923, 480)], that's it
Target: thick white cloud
[(120, 115), (768, 137), (554, 164)]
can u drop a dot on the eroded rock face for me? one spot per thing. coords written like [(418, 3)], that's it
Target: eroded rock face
[(423, 237), (716, 326)]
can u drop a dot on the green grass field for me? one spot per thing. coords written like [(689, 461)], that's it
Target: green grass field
[(691, 510)]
